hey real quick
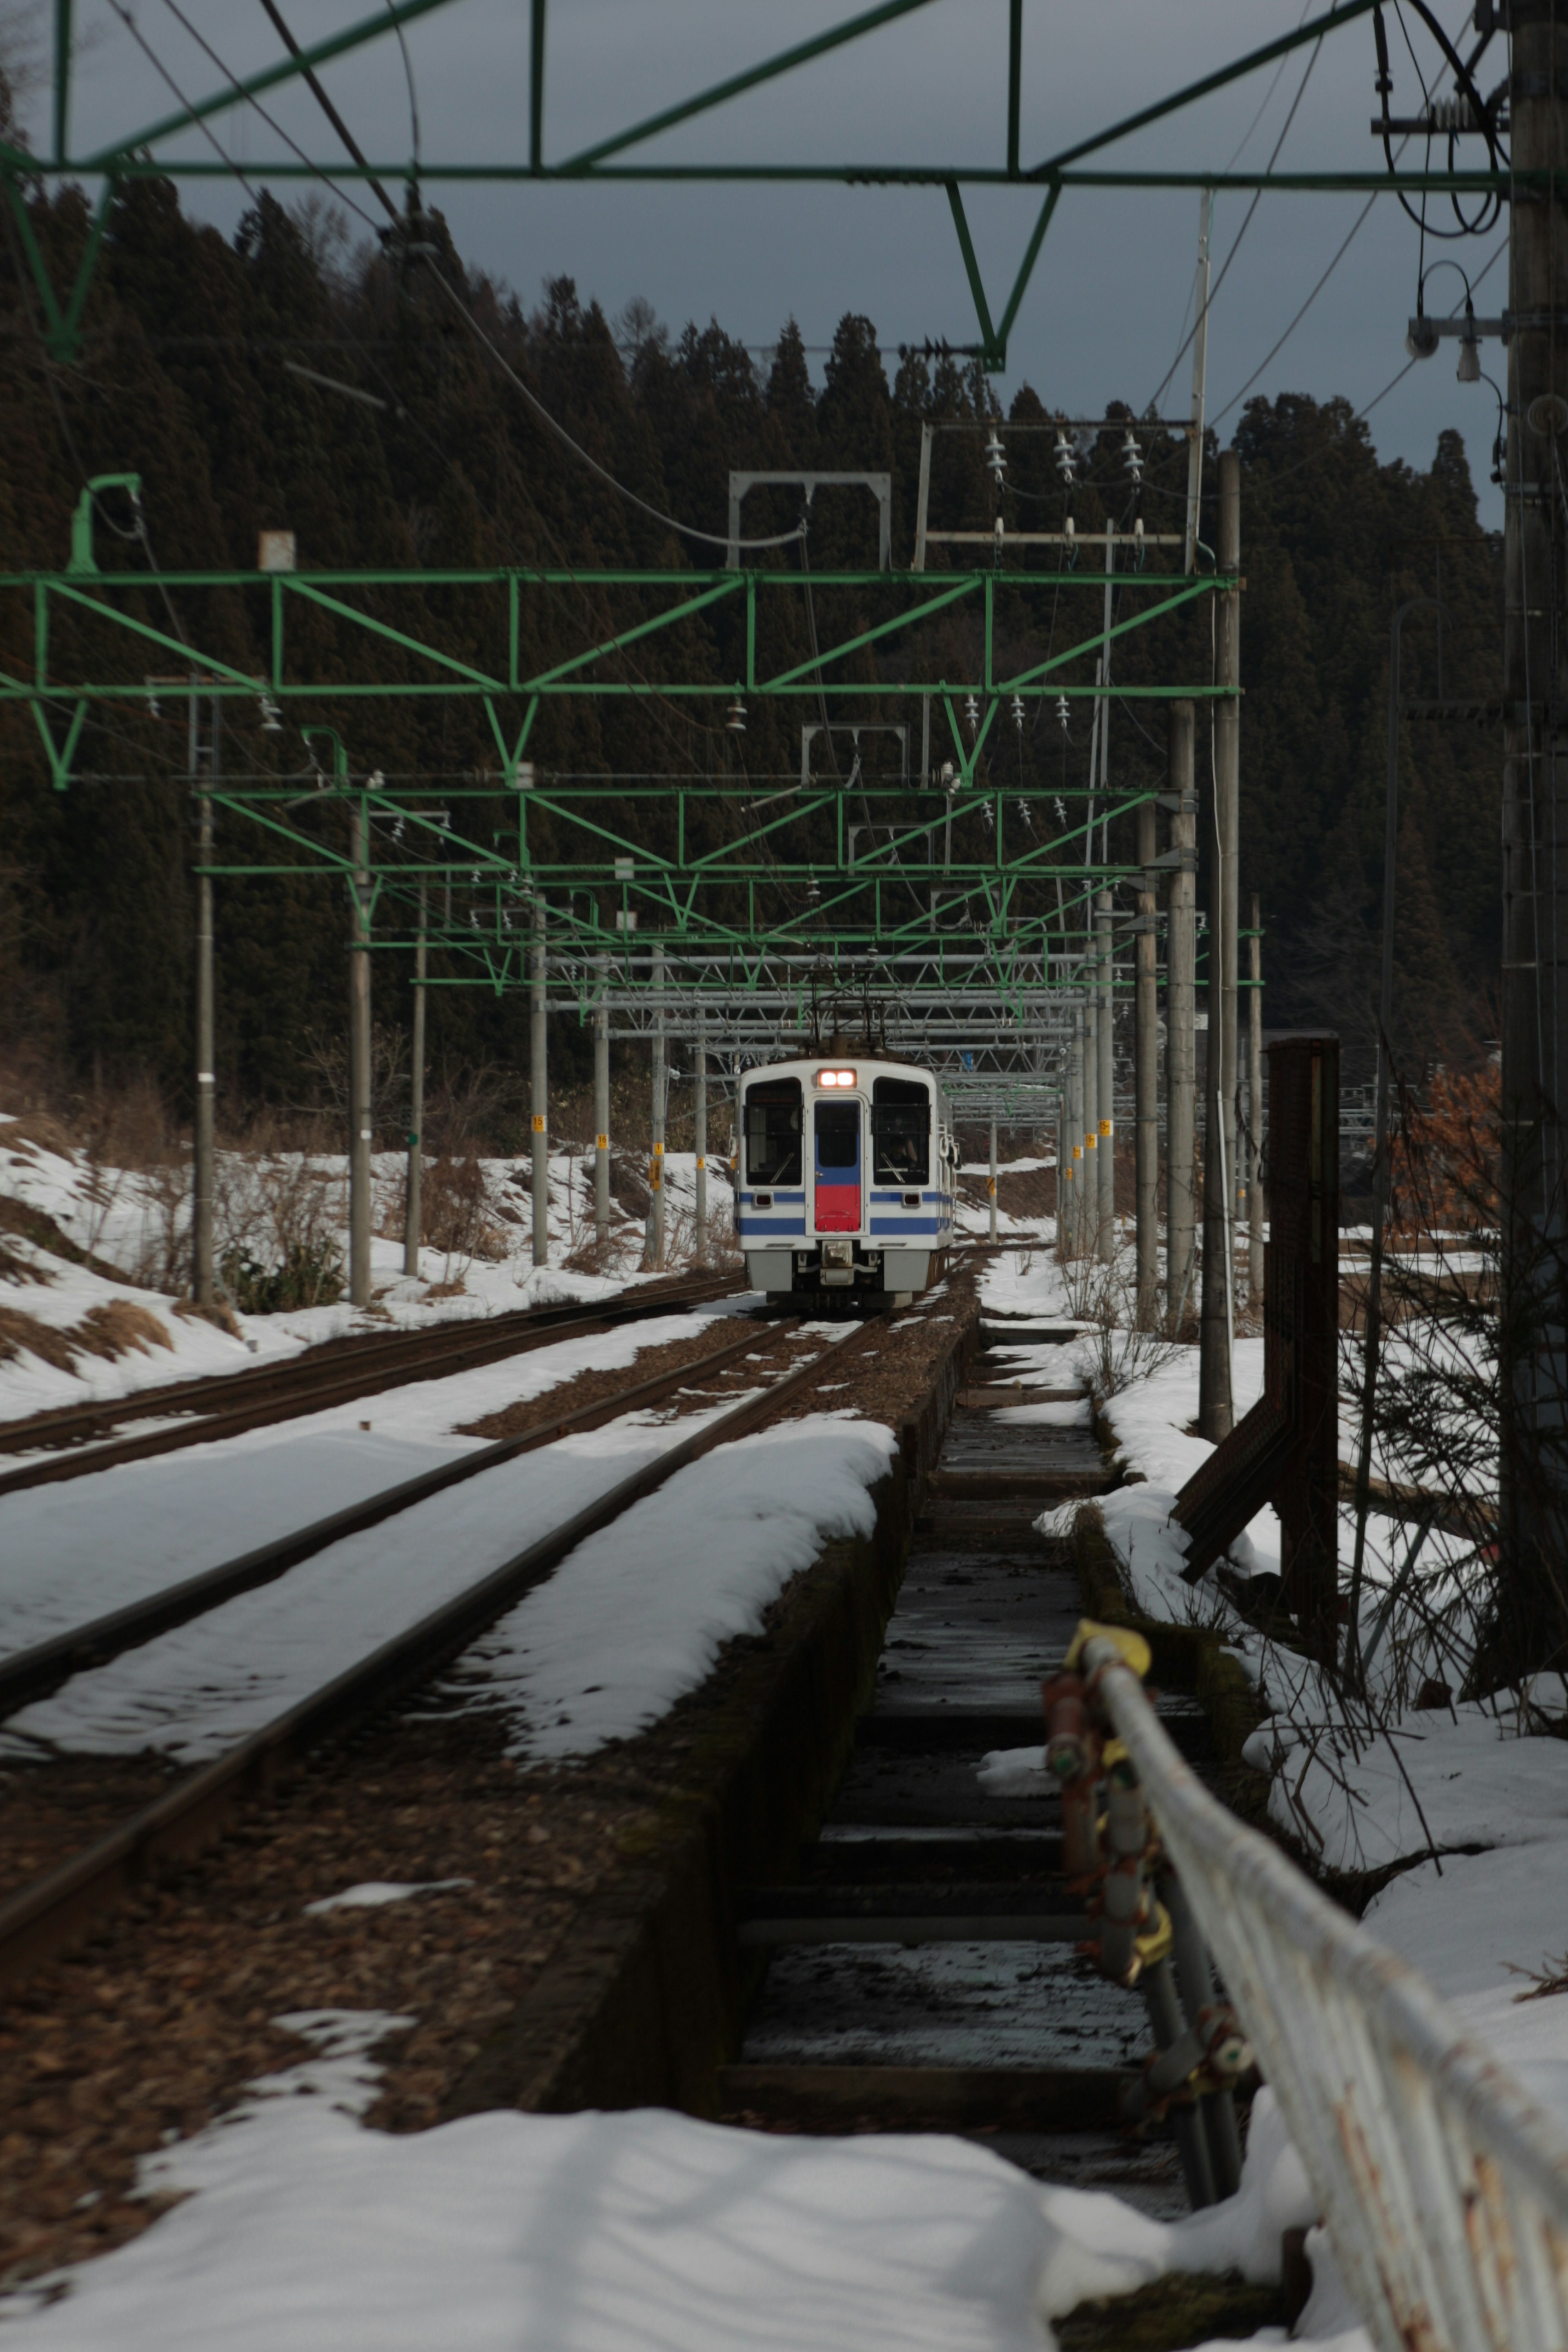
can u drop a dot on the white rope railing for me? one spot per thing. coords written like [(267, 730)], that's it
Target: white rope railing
[(1444, 2186)]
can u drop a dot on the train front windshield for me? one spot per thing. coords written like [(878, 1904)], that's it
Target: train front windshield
[(900, 1131), (774, 1132)]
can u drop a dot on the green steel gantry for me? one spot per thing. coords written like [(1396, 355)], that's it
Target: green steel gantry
[(724, 862), (150, 149)]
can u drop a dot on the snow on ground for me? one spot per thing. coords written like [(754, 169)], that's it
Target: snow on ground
[(137, 1224), (632, 1618), (1381, 1789), (639, 2232), (638, 1613), (69, 1552)]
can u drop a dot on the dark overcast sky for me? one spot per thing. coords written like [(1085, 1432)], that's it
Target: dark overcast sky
[(1104, 315)]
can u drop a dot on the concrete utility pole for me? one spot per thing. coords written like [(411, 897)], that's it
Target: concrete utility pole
[(992, 1186), (202, 1267), (1200, 372), (1255, 1110), (660, 1096), (1227, 792), (413, 1210), (602, 1103), (360, 1136), (1181, 1049), (1215, 1413), (1105, 1090), (699, 1140), (1089, 1207), (1146, 1079), (538, 1088), (1533, 1627), (1075, 1124)]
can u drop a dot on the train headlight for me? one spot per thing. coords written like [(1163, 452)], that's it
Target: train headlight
[(835, 1077)]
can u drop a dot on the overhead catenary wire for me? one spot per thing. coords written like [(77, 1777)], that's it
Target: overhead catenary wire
[(1241, 232)]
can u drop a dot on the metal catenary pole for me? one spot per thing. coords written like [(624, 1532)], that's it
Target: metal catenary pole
[(1255, 1109), (1181, 1047), (413, 1212), (1228, 806), (602, 1105), (1077, 1163), (1089, 1207), (1105, 1087), (538, 1086), (661, 1093), (1200, 371), (699, 1140), (1533, 1624), (991, 1187), (202, 1268), (1146, 1080), (360, 1136)]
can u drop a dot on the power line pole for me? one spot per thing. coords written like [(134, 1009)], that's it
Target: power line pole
[(1254, 1111), (1105, 1087), (1200, 372), (360, 1135), (1533, 1627), (700, 1142), (538, 1088), (1181, 1049), (602, 1104), (1146, 1080), (201, 1269), (414, 1212), (1216, 1411), (991, 1187), (660, 1096)]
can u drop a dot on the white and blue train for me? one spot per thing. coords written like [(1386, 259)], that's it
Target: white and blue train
[(844, 1180)]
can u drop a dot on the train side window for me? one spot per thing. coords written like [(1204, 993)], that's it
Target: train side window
[(772, 1132), (900, 1131)]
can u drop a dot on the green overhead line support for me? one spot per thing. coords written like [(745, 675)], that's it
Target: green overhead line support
[(143, 151)]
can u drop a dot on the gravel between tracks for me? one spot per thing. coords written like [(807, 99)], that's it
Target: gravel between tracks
[(156, 2026)]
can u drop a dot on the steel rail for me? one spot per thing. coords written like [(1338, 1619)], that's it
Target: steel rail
[(40, 1919), (282, 1393), (33, 1674), (351, 1347)]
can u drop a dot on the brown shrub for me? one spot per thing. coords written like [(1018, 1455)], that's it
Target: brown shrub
[(121, 1325), (42, 1339), (106, 1332), (36, 1129), (455, 1210)]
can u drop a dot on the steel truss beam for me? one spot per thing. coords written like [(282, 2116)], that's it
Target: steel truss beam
[(621, 155)]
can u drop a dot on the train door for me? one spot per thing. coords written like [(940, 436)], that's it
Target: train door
[(837, 1167)]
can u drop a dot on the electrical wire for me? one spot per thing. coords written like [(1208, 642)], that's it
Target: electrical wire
[(271, 122), (688, 530), (1241, 232), (167, 78)]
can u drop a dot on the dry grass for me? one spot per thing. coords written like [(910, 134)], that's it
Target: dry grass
[(123, 1327), (36, 1132)]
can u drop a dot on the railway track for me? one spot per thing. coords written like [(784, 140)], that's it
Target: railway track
[(229, 1405), (43, 1917), (921, 1967)]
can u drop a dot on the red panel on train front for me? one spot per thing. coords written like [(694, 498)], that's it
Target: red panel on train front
[(837, 1208)]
